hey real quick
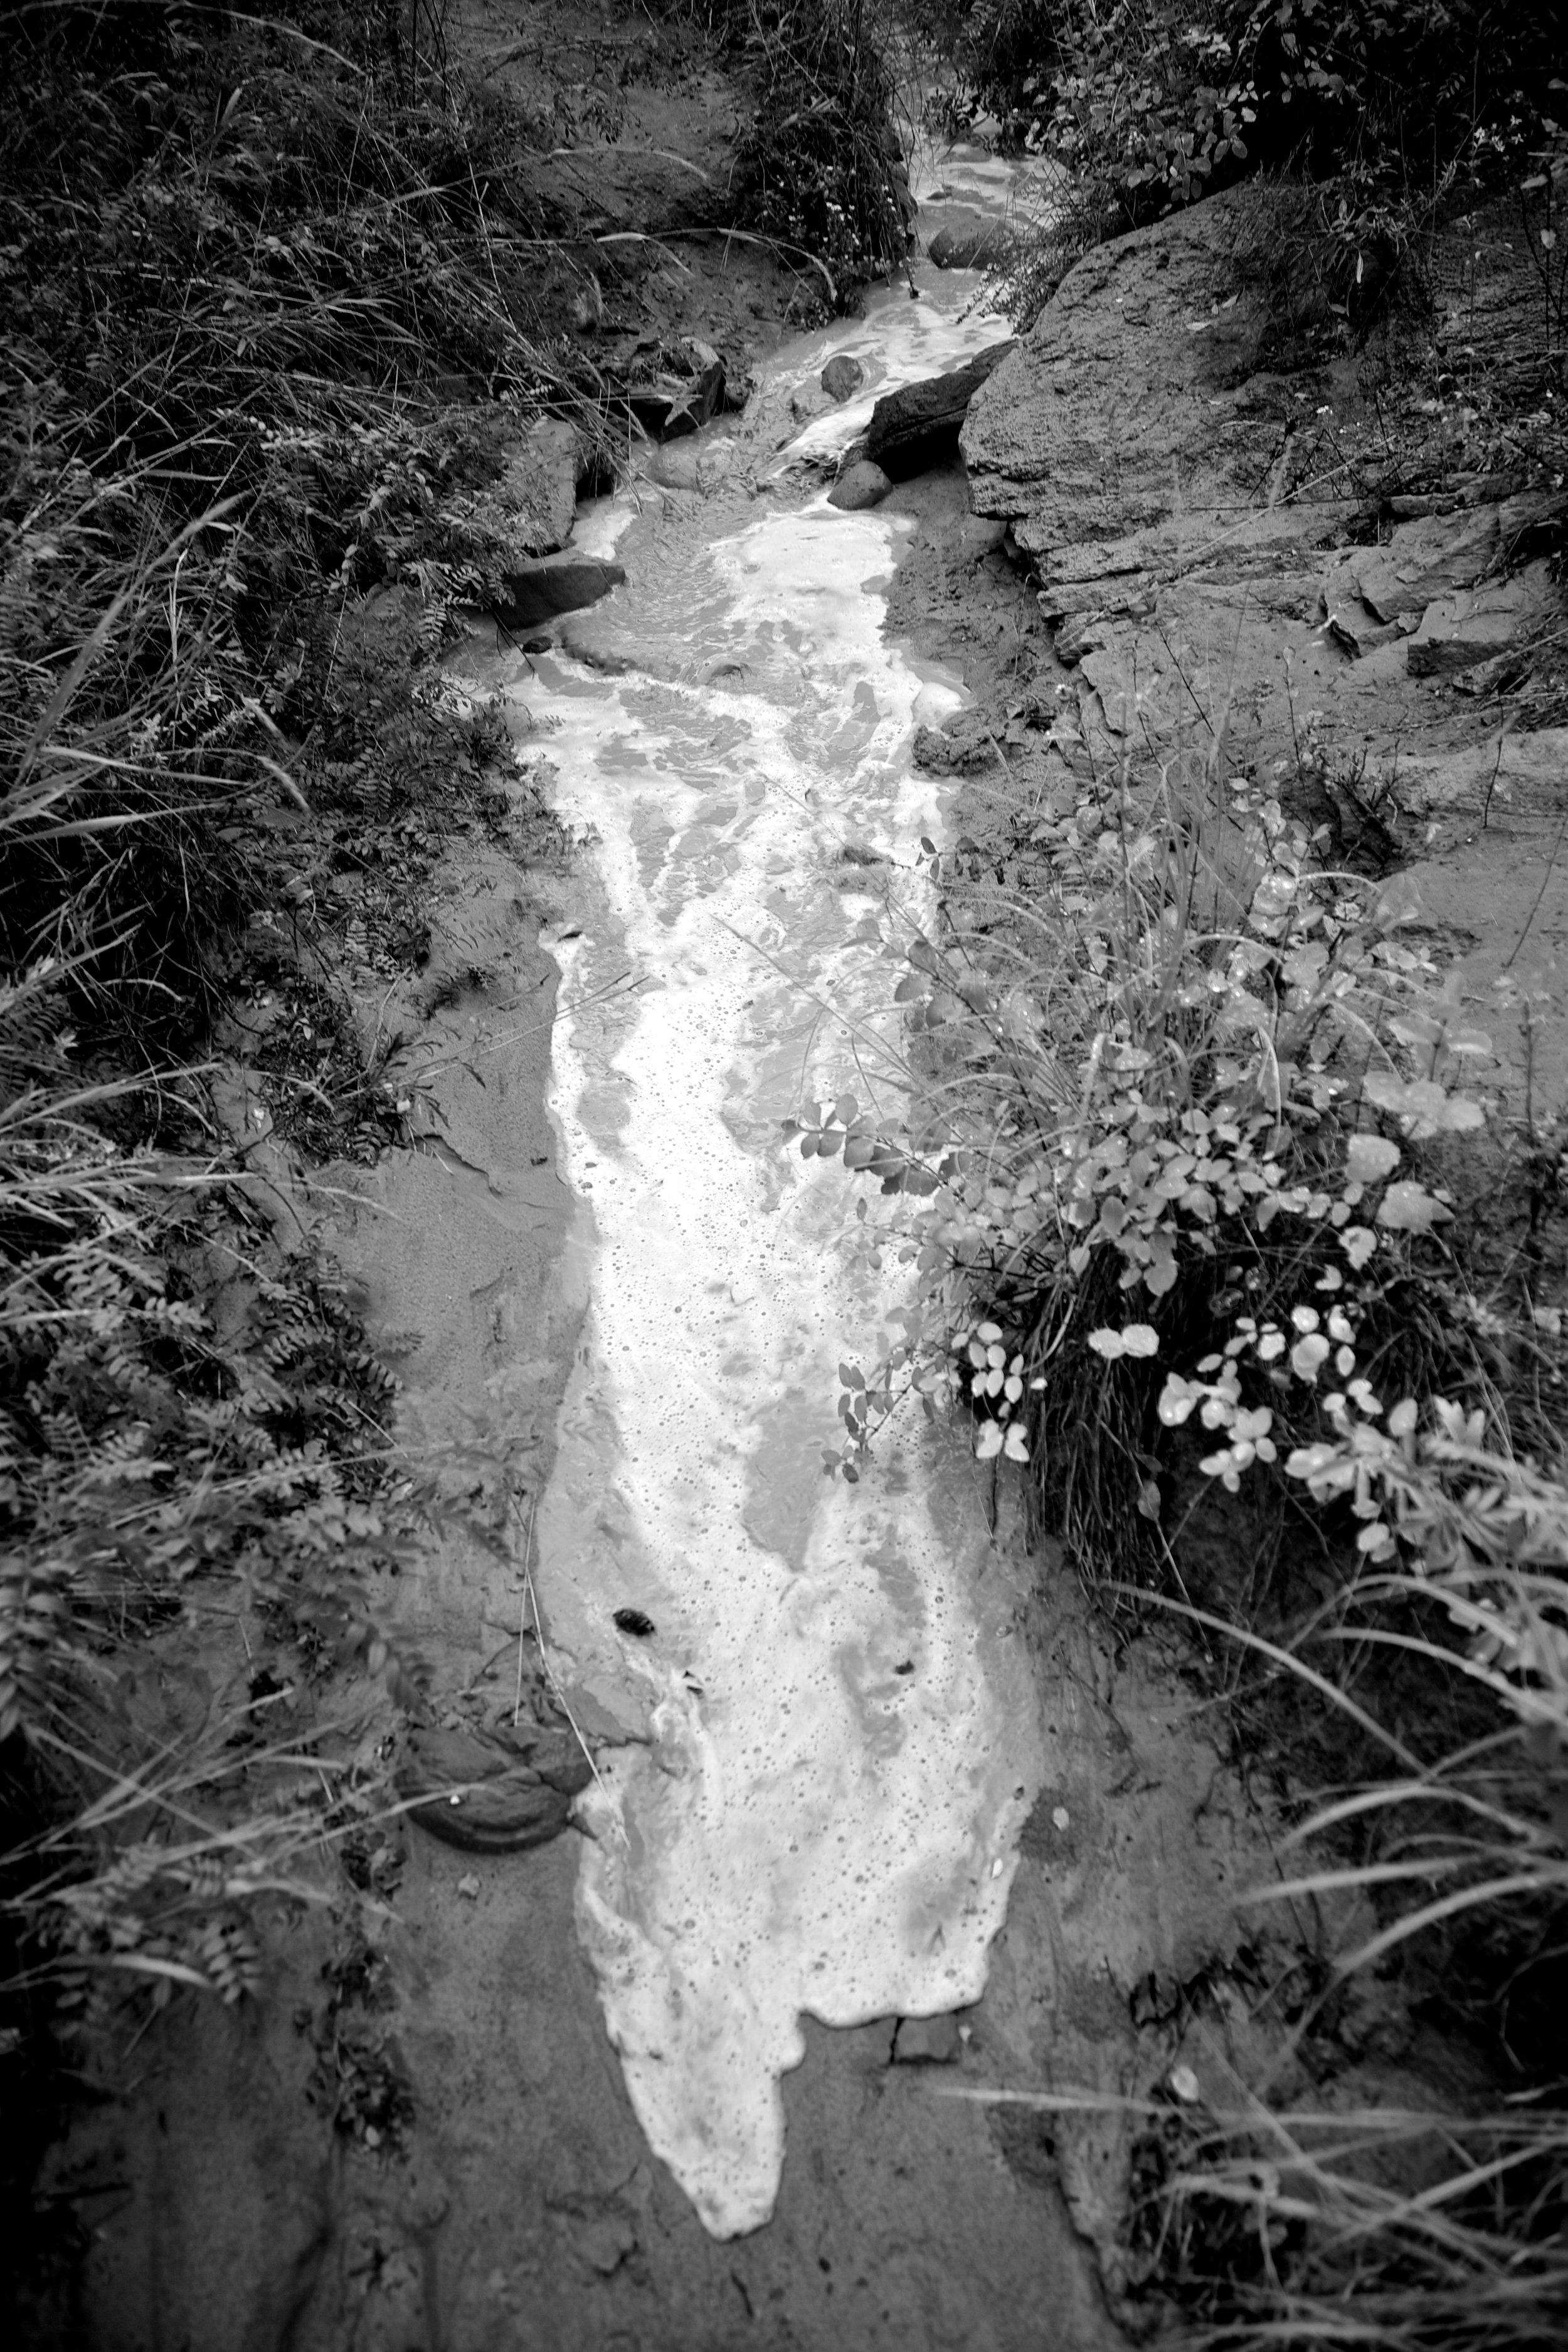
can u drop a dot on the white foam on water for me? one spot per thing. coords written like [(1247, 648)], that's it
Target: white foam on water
[(838, 1739)]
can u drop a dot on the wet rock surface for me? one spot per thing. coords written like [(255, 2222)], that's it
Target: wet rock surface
[(918, 426), (842, 377), (863, 484)]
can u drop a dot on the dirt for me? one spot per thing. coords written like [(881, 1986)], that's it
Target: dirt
[(418, 2137)]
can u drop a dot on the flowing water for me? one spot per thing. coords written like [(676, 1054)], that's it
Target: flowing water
[(834, 1737)]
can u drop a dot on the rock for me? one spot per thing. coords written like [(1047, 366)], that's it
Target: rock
[(493, 1791), (562, 583), (917, 427), (1146, 467), (965, 749), (980, 245), (1520, 779), (928, 2041), (863, 484), (684, 393), (842, 377), (1433, 556), (1459, 630), (529, 509), (1120, 407), (811, 399), (676, 467)]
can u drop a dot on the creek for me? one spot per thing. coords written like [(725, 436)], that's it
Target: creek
[(821, 1754)]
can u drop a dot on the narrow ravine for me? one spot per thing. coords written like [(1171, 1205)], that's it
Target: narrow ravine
[(832, 1734)]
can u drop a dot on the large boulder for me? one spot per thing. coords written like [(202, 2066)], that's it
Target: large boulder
[(1151, 475), (1125, 403), (541, 483), (917, 427)]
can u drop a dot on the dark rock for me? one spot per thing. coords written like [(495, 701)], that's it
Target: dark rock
[(842, 377), (986, 245), (963, 752), (862, 484), (917, 427), (928, 2041), (493, 1791), (564, 582)]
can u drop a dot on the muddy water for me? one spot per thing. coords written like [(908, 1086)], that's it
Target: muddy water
[(833, 1736)]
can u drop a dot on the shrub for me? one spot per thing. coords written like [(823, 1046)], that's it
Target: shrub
[(1150, 103), (820, 158)]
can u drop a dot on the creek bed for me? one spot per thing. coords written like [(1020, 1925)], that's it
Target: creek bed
[(829, 1733)]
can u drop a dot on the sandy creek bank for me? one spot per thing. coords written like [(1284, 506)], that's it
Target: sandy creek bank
[(491, 2187)]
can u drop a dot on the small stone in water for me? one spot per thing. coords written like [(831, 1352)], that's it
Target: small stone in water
[(842, 376), (927, 2042), (632, 1621)]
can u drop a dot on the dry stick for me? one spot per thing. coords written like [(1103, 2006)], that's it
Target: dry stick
[(522, 1600), (1540, 894), (1497, 770), (530, 1598)]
